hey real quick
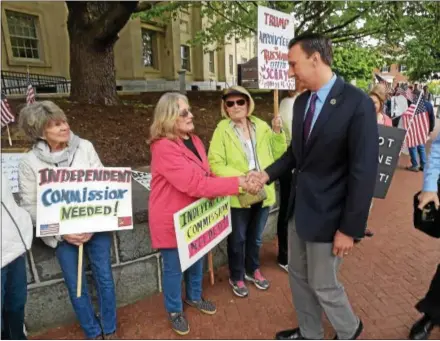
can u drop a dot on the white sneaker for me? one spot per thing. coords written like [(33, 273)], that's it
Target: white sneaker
[(285, 267)]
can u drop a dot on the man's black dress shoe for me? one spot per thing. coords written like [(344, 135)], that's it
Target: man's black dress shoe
[(290, 334), (358, 332), (421, 329)]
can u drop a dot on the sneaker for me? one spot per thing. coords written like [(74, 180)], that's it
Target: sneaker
[(285, 267), (258, 279), (206, 307), (369, 233), (179, 323), (239, 288), (422, 168), (413, 168)]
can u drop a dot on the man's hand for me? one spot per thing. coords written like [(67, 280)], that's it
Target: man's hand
[(342, 244), (78, 238), (427, 197), (260, 177), (250, 185)]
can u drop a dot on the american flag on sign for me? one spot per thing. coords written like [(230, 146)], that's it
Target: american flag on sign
[(46, 229), (416, 122), (6, 112), (30, 93), (382, 80)]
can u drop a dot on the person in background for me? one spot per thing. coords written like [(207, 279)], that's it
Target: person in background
[(286, 114), (429, 306), (420, 149), (378, 96), (55, 145), (17, 234), (427, 96), (242, 142), (180, 176)]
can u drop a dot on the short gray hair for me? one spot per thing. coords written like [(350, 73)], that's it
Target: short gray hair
[(34, 118)]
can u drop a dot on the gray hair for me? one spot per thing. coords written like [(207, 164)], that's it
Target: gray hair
[(34, 118), (312, 43)]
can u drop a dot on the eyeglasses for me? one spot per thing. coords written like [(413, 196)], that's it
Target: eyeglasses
[(184, 113), (239, 102)]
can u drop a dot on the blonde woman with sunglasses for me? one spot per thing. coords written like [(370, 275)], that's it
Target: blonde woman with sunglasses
[(180, 176), (241, 143)]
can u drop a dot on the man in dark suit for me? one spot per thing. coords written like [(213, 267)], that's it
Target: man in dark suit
[(334, 152)]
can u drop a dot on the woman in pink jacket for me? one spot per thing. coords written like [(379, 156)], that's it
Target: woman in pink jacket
[(180, 176)]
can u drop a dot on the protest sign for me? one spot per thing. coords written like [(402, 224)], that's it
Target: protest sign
[(275, 30), (78, 200), (390, 144), (10, 162), (200, 227), (143, 178)]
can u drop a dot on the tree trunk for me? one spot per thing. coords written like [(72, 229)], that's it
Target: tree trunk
[(92, 71), (93, 28)]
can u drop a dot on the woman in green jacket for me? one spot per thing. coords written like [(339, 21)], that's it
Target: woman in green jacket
[(241, 143)]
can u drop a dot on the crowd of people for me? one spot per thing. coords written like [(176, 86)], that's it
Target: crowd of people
[(323, 148)]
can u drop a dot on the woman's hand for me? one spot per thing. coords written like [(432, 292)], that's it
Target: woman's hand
[(277, 124), (78, 238), (250, 186)]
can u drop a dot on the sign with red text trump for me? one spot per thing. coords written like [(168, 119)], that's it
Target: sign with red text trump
[(79, 200), (275, 30), (200, 227)]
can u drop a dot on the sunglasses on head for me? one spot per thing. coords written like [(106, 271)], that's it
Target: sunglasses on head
[(239, 102), (184, 113)]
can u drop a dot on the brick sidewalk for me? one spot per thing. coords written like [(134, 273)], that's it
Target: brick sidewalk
[(384, 278)]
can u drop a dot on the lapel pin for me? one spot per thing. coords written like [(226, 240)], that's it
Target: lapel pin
[(332, 101)]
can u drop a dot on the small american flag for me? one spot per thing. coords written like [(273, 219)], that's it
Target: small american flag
[(405, 92), (416, 122), (382, 80), (6, 112), (30, 93), (49, 229)]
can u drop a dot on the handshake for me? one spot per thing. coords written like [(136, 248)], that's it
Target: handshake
[(253, 182)]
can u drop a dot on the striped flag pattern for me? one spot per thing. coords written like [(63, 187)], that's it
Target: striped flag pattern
[(416, 122), (30, 93), (6, 112), (383, 81)]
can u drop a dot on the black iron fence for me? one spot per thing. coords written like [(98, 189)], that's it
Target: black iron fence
[(16, 83)]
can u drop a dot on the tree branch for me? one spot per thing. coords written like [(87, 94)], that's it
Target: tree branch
[(144, 6), (230, 20), (106, 29), (241, 6)]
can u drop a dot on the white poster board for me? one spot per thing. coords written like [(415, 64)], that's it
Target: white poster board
[(275, 30), (10, 162), (78, 200), (200, 227)]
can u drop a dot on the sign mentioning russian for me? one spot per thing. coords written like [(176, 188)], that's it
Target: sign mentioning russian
[(200, 227), (275, 30), (78, 200)]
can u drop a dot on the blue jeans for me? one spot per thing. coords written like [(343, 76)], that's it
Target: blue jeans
[(14, 296), (413, 154), (244, 242), (172, 281), (98, 250)]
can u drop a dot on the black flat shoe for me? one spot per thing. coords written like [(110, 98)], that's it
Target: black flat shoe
[(290, 334), (421, 329), (358, 332), (369, 233)]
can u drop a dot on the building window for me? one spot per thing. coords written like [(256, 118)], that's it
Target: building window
[(385, 69), (148, 38), (23, 35), (231, 64), (185, 58), (211, 62), (184, 26), (402, 68)]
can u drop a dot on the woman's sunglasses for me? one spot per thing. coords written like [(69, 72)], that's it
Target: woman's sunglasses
[(239, 102), (184, 113)]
